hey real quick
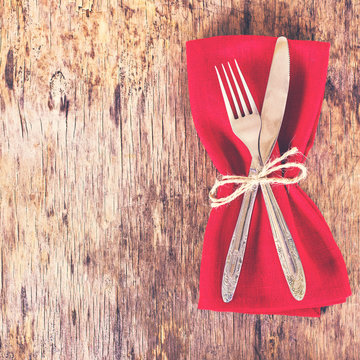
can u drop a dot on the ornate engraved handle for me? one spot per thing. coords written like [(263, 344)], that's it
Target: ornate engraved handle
[(235, 256), (286, 249)]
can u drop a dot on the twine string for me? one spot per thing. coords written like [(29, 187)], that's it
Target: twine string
[(248, 182)]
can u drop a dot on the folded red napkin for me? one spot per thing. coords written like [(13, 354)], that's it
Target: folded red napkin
[(262, 288)]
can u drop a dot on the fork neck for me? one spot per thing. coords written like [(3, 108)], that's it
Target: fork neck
[(256, 164)]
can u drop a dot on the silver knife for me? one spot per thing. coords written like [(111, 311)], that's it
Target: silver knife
[(272, 114)]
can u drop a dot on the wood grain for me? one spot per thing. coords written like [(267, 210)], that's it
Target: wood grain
[(104, 183)]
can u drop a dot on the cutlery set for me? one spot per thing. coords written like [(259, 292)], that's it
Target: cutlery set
[(259, 133), (255, 103)]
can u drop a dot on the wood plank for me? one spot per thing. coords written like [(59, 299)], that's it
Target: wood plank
[(104, 183)]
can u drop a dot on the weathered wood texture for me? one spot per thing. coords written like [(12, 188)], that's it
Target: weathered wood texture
[(104, 183)]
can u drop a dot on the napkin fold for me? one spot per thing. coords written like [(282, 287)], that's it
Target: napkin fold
[(262, 288)]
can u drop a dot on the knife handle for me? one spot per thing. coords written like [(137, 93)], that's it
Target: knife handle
[(285, 246), (235, 255)]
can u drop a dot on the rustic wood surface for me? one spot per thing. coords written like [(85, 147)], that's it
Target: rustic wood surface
[(104, 183)]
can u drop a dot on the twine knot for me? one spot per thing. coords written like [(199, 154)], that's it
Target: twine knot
[(259, 178)]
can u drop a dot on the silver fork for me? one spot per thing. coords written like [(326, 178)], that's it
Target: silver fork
[(247, 128)]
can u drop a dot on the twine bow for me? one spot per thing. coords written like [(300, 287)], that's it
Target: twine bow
[(248, 182)]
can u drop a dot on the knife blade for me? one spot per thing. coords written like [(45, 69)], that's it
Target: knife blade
[(276, 93), (272, 114)]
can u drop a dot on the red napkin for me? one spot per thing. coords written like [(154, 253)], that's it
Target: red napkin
[(262, 288)]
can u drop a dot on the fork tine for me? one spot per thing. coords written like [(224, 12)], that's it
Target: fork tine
[(232, 93), (243, 103), (248, 94), (226, 100)]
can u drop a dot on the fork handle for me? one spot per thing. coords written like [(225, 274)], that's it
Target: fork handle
[(285, 246), (235, 255)]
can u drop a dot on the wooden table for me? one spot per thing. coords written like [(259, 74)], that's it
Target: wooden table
[(104, 183)]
